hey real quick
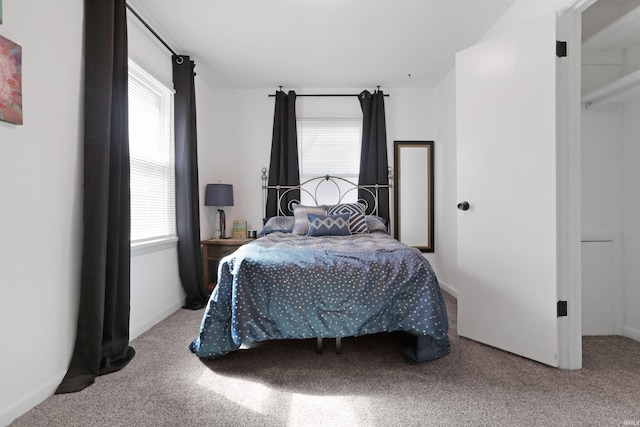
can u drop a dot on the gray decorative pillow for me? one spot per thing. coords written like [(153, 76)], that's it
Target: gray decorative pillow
[(357, 222), (329, 225), (283, 224), (301, 221), (375, 223)]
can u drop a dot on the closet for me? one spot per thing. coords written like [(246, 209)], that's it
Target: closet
[(611, 168)]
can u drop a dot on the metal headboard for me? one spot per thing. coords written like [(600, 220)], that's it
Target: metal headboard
[(283, 190)]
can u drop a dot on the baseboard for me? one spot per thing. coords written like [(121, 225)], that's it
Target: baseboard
[(632, 333), (26, 403), (137, 330), (448, 289)]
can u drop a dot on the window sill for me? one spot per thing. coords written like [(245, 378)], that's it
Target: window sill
[(154, 245)]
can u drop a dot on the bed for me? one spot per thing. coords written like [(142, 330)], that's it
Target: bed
[(324, 281)]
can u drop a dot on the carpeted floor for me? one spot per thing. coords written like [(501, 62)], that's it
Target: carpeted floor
[(286, 383)]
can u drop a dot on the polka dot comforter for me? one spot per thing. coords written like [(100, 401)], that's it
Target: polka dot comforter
[(284, 286)]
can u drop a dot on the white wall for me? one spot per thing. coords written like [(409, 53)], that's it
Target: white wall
[(601, 209), (235, 129), (239, 124), (631, 218), (446, 232), (410, 116), (523, 11), (610, 182), (156, 290), (234, 138), (41, 192), (40, 189), (601, 172), (610, 197)]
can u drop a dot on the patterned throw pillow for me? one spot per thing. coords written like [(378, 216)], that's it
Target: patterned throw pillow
[(357, 222), (329, 225), (300, 212)]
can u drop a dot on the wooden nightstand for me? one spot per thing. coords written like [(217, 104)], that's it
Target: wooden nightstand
[(213, 250)]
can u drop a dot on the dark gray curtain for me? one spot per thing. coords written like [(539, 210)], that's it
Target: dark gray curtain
[(283, 168), (373, 157), (102, 341), (187, 189)]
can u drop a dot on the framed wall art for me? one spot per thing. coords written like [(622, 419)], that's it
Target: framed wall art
[(10, 81)]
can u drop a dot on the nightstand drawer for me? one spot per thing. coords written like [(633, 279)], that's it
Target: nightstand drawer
[(213, 250), (220, 251)]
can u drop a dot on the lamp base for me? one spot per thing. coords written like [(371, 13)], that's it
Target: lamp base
[(222, 224)]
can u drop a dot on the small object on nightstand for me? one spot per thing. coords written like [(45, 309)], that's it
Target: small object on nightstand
[(239, 229), (213, 250)]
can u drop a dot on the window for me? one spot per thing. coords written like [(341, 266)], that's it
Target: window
[(151, 146), (329, 147)]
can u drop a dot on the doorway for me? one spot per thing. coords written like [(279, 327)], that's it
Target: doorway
[(610, 177)]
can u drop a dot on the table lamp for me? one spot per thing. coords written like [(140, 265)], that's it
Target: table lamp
[(219, 195)]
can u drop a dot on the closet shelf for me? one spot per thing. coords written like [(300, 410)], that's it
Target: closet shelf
[(620, 90), (620, 34)]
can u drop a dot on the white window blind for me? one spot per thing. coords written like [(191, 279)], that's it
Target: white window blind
[(329, 147), (151, 146)]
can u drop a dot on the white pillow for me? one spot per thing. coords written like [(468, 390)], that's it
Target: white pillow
[(301, 221)]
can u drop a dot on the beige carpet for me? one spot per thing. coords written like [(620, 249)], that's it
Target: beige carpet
[(285, 383)]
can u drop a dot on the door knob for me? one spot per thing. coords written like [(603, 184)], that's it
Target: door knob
[(463, 206)]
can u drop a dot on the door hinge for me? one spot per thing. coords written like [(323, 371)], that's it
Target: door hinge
[(562, 309), (561, 49)]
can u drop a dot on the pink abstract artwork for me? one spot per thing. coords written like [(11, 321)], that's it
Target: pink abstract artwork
[(10, 81)]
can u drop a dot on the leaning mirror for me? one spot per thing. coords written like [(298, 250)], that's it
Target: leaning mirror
[(413, 194)]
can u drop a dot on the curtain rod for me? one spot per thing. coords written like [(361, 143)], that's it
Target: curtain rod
[(326, 94), (151, 29)]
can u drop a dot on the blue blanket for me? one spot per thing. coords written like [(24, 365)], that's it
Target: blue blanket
[(284, 286)]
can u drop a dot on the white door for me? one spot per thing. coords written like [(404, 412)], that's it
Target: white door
[(506, 130)]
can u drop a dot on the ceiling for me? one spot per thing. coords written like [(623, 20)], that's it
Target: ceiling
[(602, 13), (314, 44)]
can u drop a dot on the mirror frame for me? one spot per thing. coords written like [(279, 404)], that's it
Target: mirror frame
[(398, 146)]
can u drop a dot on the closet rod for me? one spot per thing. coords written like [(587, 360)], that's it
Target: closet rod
[(151, 29), (325, 94)]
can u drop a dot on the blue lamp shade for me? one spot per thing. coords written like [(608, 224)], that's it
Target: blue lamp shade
[(218, 195)]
